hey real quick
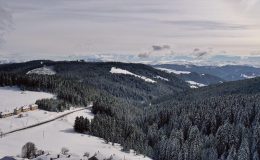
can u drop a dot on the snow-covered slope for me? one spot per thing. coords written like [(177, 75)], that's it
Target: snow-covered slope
[(57, 134), (13, 97), (173, 71), (31, 118), (115, 70), (43, 71), (98, 155)]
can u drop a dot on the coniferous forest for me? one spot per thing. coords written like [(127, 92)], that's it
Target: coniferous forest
[(165, 120)]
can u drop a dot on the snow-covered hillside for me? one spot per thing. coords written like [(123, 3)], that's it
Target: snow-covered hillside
[(13, 97), (43, 71), (115, 70), (173, 71), (57, 134)]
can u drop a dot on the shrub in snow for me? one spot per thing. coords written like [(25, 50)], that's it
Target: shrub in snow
[(86, 154), (39, 152), (29, 150), (64, 150)]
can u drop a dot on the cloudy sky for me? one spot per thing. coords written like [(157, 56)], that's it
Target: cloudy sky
[(141, 27)]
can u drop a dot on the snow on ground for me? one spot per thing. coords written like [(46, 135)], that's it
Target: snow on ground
[(43, 70), (13, 97), (115, 70), (159, 77), (55, 156), (30, 118), (57, 134), (247, 76), (195, 84), (173, 71)]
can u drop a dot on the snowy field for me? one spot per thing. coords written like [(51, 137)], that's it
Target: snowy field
[(57, 134), (13, 97), (29, 118)]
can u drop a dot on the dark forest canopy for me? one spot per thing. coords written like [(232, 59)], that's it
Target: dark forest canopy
[(165, 120)]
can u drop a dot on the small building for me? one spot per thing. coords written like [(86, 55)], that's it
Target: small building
[(33, 107), (5, 114), (17, 111), (26, 108)]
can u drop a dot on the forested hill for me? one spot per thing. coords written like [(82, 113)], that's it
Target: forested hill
[(215, 122), (246, 87), (241, 87), (98, 76)]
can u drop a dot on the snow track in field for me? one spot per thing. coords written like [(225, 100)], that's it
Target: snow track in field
[(59, 133)]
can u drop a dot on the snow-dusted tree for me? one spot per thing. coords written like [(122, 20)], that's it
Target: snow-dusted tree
[(209, 153), (232, 155), (256, 156), (243, 152), (29, 150), (64, 150), (86, 154)]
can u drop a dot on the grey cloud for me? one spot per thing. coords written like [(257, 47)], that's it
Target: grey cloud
[(196, 50), (198, 53), (159, 48), (211, 25), (144, 55), (5, 22), (155, 48), (202, 54)]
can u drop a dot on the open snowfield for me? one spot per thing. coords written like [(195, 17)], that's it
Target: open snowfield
[(57, 134), (29, 118), (13, 97)]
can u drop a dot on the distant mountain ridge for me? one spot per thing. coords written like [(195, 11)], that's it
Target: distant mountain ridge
[(227, 73)]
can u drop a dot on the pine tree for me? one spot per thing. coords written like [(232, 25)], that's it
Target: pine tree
[(243, 152)]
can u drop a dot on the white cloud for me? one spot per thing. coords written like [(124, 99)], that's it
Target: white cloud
[(59, 27)]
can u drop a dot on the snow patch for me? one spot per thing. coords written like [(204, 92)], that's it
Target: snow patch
[(42, 71), (195, 84), (115, 70), (247, 76), (159, 77), (173, 71)]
